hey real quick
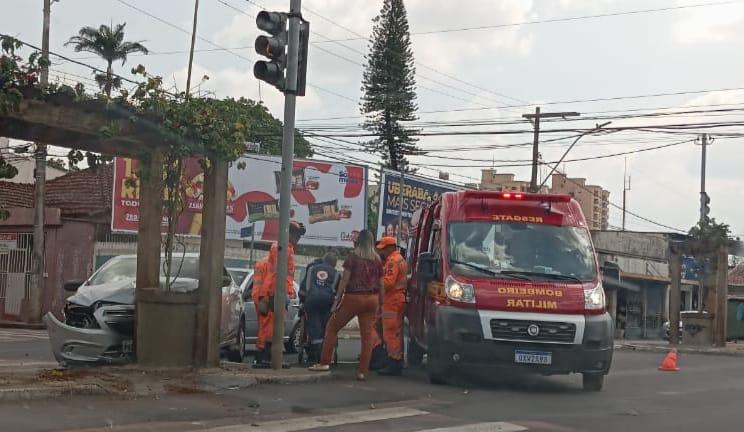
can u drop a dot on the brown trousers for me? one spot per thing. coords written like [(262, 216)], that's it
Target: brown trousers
[(363, 306)]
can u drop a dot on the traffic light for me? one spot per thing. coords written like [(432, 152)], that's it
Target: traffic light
[(704, 204), (302, 57), (274, 48)]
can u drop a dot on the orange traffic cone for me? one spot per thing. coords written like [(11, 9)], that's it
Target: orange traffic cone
[(670, 362)]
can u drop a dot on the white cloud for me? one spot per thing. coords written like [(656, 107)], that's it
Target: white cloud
[(710, 25)]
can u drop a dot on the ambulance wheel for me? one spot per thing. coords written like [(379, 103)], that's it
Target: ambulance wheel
[(592, 382)]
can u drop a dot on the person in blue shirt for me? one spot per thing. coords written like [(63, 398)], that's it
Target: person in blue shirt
[(321, 279)]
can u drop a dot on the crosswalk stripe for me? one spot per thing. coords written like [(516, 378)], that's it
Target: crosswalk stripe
[(306, 423), (481, 427)]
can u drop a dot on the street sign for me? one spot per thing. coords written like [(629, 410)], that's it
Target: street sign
[(246, 232), (252, 147), (8, 241)]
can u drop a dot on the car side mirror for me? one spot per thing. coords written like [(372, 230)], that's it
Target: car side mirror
[(72, 286), (427, 268), (226, 281)]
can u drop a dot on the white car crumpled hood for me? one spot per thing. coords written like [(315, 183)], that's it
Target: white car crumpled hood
[(122, 291)]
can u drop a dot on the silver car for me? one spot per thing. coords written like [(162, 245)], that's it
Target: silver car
[(244, 278), (98, 323)]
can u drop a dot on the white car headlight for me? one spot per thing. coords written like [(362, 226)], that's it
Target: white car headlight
[(594, 299), (459, 291)]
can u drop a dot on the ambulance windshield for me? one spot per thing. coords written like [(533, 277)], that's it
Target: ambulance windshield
[(523, 250)]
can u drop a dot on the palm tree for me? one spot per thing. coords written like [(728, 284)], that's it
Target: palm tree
[(109, 44)]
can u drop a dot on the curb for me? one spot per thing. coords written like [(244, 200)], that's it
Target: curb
[(50, 392), (266, 376), (21, 325), (683, 350)]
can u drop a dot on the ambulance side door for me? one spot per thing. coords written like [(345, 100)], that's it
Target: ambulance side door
[(417, 288), (430, 302)]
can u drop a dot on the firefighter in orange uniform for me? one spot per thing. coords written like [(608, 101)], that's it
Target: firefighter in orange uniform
[(393, 304), (266, 293), (258, 292)]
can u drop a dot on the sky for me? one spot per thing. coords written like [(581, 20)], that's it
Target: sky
[(517, 54)]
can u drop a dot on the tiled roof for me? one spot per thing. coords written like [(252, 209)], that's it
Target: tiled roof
[(78, 193), (83, 192), (16, 194), (736, 276)]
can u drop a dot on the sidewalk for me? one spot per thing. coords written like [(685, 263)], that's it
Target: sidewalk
[(26, 382), (731, 348)]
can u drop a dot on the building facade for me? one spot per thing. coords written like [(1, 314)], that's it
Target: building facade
[(594, 200), (493, 181), (26, 165)]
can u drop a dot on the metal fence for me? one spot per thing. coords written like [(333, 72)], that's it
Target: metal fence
[(16, 263)]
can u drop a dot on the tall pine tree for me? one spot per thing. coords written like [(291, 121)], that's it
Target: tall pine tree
[(389, 86)]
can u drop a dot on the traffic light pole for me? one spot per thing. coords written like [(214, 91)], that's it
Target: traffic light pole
[(290, 95)]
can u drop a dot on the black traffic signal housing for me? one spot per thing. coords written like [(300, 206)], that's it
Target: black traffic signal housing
[(273, 47), (302, 57), (705, 204)]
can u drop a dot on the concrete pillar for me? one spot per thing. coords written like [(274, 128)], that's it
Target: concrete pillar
[(721, 298), (675, 273), (148, 250), (211, 264)]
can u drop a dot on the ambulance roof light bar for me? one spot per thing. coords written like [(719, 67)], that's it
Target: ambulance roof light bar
[(518, 196)]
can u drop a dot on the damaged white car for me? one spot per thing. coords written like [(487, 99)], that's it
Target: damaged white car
[(98, 323)]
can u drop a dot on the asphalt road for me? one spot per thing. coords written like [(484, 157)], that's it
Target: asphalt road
[(705, 395)]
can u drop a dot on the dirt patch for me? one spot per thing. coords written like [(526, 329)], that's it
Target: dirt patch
[(57, 375), (179, 389)]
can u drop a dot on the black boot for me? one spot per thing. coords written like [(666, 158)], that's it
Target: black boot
[(263, 357), (393, 368), (314, 353)]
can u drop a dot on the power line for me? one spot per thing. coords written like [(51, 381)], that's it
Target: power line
[(248, 59), (357, 63), (418, 63), (558, 20)]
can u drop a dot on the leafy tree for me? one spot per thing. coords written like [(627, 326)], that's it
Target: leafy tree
[(57, 163), (709, 235), (108, 43), (389, 83)]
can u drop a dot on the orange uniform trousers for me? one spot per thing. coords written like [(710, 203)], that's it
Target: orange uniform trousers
[(362, 306)]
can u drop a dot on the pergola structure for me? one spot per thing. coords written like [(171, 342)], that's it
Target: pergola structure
[(172, 329)]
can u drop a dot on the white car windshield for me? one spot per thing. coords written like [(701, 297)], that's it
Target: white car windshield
[(123, 268), (521, 250)]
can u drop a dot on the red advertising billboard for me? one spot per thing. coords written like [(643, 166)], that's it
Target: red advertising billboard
[(329, 198)]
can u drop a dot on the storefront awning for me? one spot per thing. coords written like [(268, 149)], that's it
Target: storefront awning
[(612, 283)]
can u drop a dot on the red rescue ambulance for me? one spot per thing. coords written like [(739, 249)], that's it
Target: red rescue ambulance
[(507, 281)]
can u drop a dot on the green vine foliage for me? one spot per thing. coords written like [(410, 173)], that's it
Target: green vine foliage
[(206, 128)]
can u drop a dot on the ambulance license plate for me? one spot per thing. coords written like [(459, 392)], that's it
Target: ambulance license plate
[(533, 357)]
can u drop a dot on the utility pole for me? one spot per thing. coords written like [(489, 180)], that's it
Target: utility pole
[(703, 195), (191, 51), (555, 167), (37, 286), (535, 118), (626, 188), (290, 96), (704, 210), (400, 206)]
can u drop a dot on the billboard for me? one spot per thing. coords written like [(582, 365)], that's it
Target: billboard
[(329, 198), (417, 191)]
